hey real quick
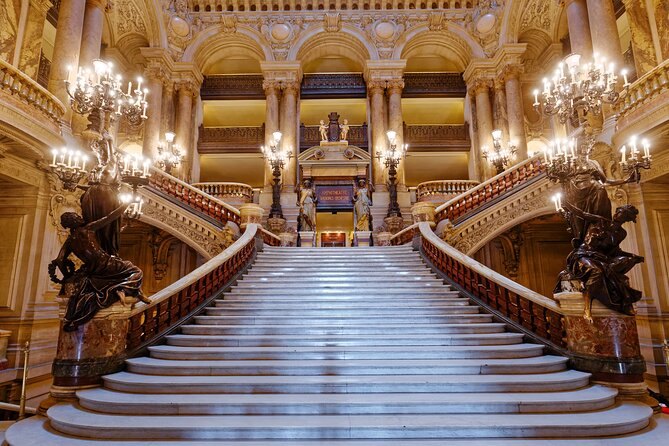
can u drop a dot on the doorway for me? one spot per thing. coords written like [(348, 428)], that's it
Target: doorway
[(334, 228)]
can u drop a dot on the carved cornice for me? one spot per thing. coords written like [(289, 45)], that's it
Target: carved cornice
[(230, 139), (233, 87), (333, 85), (450, 85)]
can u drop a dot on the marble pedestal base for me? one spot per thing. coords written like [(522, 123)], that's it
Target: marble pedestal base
[(394, 224), (607, 347), (288, 238), (382, 238), (362, 238), (276, 224), (307, 239)]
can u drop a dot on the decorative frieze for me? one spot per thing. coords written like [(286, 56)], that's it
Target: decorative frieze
[(230, 139), (316, 86), (438, 137), (443, 85), (233, 87)]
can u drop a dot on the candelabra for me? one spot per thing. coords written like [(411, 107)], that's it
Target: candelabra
[(169, 154), (277, 160), (134, 170), (502, 154), (578, 90), (391, 158), (69, 166)]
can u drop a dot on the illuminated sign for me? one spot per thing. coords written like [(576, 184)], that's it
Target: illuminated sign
[(334, 196)]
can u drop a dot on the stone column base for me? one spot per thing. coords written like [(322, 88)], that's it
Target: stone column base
[(382, 238), (362, 238), (307, 239), (423, 211), (607, 347), (250, 213)]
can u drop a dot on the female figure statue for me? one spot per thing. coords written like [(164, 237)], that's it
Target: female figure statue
[(307, 204), (102, 280), (361, 204)]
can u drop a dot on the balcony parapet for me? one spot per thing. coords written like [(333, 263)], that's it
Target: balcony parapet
[(645, 105), (29, 107), (231, 193), (440, 138), (440, 191)]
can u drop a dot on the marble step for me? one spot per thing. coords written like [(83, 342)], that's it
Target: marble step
[(354, 271), (312, 301), (616, 420), (108, 401), (371, 384), (399, 320), (312, 330), (415, 341), (366, 281), (343, 367), (371, 352), (228, 309), (272, 274), (350, 285), (338, 255), (322, 293)]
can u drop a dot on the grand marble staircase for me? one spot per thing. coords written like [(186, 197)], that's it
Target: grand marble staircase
[(326, 346)]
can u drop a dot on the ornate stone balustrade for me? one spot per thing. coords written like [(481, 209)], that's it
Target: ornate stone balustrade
[(527, 309), (438, 137), (645, 105), (441, 191), (270, 238), (405, 236), (232, 87), (492, 190), (29, 106), (230, 139), (179, 301), (322, 5), (193, 197), (231, 193)]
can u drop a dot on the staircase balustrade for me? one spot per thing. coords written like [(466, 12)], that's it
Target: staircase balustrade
[(537, 315), (179, 301), (193, 197), (644, 90), (269, 238), (232, 192), (442, 189), (405, 236), (475, 199)]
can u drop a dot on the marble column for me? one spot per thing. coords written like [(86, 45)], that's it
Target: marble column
[(91, 39), (183, 128), (66, 50), (155, 77), (515, 112), (645, 58), (272, 124), (167, 113), (662, 23), (604, 30), (288, 124), (499, 116), (396, 121), (378, 124), (579, 27), (484, 121), (31, 45)]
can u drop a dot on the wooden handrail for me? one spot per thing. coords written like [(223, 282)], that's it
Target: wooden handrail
[(193, 197), (270, 238), (530, 310), (471, 201), (404, 236), (177, 302)]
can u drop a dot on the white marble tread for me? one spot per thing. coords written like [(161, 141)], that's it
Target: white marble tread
[(619, 419)]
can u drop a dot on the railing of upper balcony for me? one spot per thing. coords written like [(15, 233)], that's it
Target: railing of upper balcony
[(231, 193), (440, 191), (645, 90), (490, 191), (184, 193), (309, 5), (536, 315), (27, 91)]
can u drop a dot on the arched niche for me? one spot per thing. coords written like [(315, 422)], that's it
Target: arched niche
[(351, 48)]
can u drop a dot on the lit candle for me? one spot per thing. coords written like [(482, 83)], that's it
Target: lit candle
[(119, 107), (83, 163), (146, 168), (573, 148), (144, 110), (623, 151), (63, 151), (546, 86), (561, 67), (633, 144), (129, 87), (536, 98), (545, 156), (646, 148), (69, 158), (555, 202), (54, 152), (139, 84), (624, 73)]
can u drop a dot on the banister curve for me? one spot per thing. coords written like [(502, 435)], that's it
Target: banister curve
[(427, 233), (200, 272)]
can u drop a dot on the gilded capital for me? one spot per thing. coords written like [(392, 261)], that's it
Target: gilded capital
[(511, 71), (376, 87), (290, 87), (271, 87), (395, 86), (479, 85)]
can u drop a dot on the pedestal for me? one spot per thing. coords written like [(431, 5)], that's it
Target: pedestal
[(288, 238), (362, 238), (607, 347), (307, 239), (250, 213), (382, 238), (394, 224), (423, 211), (276, 224)]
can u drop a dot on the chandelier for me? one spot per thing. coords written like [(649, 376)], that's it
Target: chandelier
[(169, 154), (391, 157), (577, 89), (277, 158), (502, 154), (69, 166)]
